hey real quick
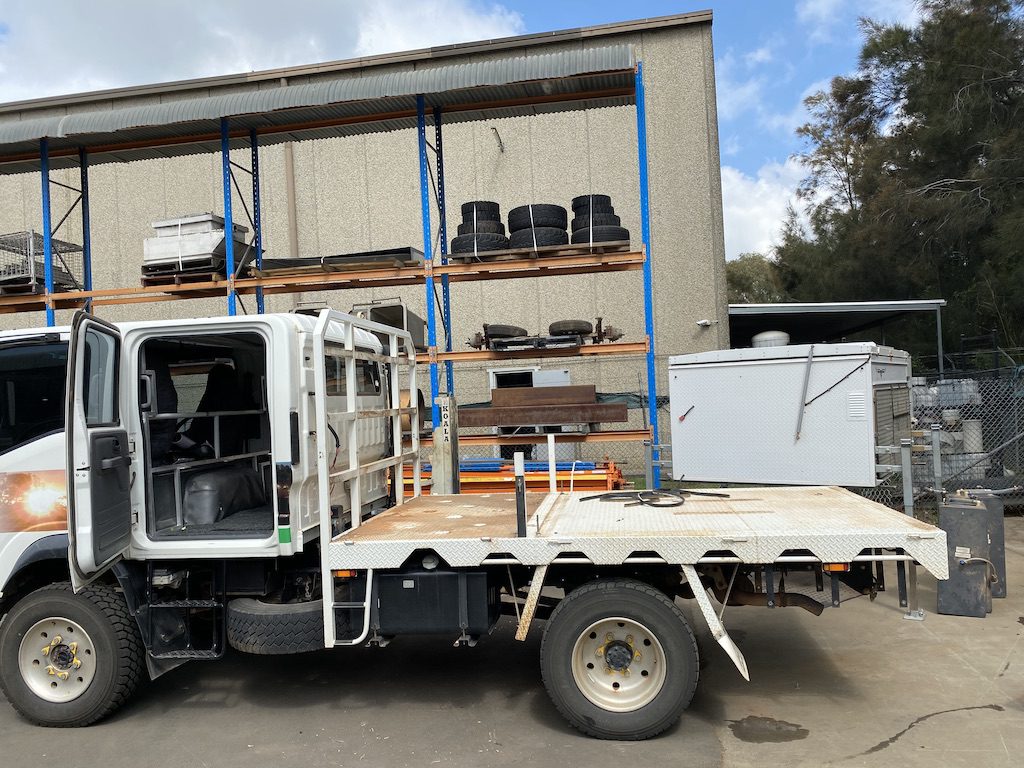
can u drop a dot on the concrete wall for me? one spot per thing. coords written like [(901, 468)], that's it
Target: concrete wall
[(359, 193)]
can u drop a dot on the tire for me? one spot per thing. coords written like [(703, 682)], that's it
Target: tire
[(583, 202), (483, 227), (600, 235), (641, 620), (485, 211), (528, 238), (532, 216), (597, 220), (275, 629), (498, 331), (571, 328), (484, 242), (106, 656)]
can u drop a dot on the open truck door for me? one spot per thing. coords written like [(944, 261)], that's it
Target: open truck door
[(98, 459)]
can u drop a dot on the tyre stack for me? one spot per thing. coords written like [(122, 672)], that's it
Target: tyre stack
[(533, 226), (594, 221), (481, 229)]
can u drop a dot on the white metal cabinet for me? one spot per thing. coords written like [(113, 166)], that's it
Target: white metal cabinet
[(735, 413)]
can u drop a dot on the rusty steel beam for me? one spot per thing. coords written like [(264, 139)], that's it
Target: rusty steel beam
[(540, 415), (614, 436), (573, 394)]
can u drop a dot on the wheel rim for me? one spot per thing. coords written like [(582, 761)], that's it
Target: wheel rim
[(619, 664), (57, 659)]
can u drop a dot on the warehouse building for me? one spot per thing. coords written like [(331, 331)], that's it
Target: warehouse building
[(330, 191)]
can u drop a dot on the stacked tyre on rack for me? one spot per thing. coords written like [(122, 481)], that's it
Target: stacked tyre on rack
[(594, 221), (481, 229), (534, 226)]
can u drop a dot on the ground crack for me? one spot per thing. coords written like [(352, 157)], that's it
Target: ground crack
[(893, 739)]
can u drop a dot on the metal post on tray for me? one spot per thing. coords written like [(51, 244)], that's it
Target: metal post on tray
[(914, 611), (937, 464), (44, 163), (519, 464), (552, 464)]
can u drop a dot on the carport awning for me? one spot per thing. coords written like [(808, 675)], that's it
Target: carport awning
[(812, 323), (364, 102)]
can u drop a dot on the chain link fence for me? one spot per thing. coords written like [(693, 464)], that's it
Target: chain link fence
[(969, 433)]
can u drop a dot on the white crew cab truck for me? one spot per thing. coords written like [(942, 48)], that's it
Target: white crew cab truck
[(237, 481)]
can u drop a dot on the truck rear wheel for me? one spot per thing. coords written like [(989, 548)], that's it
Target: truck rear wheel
[(68, 660), (619, 660)]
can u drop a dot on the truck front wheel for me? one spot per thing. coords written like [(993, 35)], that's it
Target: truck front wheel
[(68, 660), (619, 660)]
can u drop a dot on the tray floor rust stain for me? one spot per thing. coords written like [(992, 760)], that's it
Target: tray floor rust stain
[(766, 730)]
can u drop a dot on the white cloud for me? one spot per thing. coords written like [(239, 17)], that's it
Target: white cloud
[(754, 208), (396, 25), (76, 46), (731, 145), (904, 12), (736, 94), (787, 122), (761, 55), (819, 16)]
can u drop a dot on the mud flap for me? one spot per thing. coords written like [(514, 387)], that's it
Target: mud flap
[(716, 627)]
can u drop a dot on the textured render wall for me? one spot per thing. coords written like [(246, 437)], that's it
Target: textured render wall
[(362, 193)]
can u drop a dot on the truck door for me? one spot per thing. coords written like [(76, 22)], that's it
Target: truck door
[(98, 461)]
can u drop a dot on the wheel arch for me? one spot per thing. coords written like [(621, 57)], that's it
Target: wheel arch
[(44, 561)]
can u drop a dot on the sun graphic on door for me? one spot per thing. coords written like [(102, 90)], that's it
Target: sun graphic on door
[(33, 501)]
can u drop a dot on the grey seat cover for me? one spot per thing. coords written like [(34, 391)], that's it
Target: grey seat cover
[(212, 496)]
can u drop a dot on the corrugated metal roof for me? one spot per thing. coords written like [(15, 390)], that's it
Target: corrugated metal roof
[(359, 103)]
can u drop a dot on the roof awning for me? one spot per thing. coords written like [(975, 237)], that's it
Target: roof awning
[(811, 323), (365, 102)]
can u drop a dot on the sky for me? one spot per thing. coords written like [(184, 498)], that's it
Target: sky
[(769, 56)]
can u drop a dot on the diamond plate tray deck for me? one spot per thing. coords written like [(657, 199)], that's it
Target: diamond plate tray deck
[(758, 525)]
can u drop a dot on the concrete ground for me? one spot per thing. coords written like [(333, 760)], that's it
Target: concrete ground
[(857, 686)]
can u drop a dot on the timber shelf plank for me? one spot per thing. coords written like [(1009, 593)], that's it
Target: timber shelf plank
[(544, 265)]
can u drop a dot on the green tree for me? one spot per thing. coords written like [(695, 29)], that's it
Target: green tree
[(753, 279), (915, 183)]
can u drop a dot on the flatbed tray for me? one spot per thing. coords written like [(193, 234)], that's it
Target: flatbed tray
[(756, 525)]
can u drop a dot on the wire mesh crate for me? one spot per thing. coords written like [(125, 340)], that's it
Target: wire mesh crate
[(23, 264)]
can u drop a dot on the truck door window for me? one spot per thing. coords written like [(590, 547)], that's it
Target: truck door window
[(101, 376), (367, 374), (32, 382)]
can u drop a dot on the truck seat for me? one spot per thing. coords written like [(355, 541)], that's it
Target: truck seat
[(213, 495)]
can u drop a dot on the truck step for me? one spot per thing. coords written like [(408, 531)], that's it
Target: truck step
[(188, 654), (188, 604)]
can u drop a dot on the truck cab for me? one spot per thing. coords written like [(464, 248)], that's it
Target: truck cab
[(192, 470)]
